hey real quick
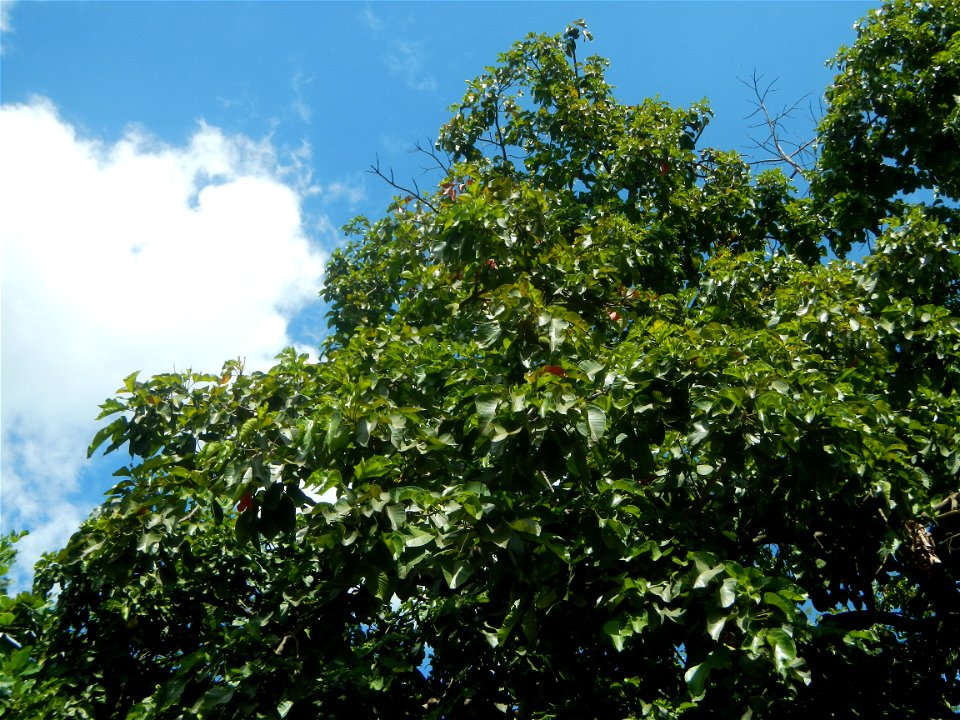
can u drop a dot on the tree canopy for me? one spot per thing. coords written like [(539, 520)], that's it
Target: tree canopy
[(598, 431)]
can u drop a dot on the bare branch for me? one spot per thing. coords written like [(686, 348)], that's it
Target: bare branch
[(796, 154), (431, 153), (414, 193)]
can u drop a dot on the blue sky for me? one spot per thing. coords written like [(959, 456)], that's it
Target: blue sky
[(173, 175)]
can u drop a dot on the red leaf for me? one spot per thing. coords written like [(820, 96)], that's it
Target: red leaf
[(554, 370), (246, 502)]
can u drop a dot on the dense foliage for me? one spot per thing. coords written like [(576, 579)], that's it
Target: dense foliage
[(597, 432), (894, 123)]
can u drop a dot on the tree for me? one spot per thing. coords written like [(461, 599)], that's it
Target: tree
[(20, 619), (596, 433), (894, 123)]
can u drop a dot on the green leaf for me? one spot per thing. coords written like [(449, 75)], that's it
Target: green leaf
[(416, 537), (109, 407), (556, 331), (787, 607), (525, 526), (597, 422), (487, 408), (590, 367), (618, 632), (784, 648), (706, 575), (115, 430), (248, 430), (715, 623), (170, 691), (728, 592), (364, 428), (457, 573), (487, 334), (334, 432), (701, 430), (509, 622), (383, 586), (780, 386), (397, 515), (130, 383), (696, 676), (149, 541), (372, 467), (214, 697)]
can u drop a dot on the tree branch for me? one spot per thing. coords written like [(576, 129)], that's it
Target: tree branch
[(431, 153), (781, 152), (949, 504), (496, 122), (414, 193)]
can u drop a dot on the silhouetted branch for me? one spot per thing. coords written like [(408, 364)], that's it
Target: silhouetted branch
[(414, 193), (795, 154), (431, 153)]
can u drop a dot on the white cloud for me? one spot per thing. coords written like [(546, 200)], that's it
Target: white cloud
[(129, 256), (5, 7), (299, 104), (371, 19), (405, 61), (352, 191)]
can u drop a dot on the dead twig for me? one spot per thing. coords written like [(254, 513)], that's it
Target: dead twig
[(414, 193), (796, 154)]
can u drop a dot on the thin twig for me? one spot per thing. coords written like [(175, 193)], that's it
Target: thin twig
[(414, 193), (432, 154), (774, 144)]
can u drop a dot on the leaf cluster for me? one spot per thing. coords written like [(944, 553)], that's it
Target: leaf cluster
[(893, 127)]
